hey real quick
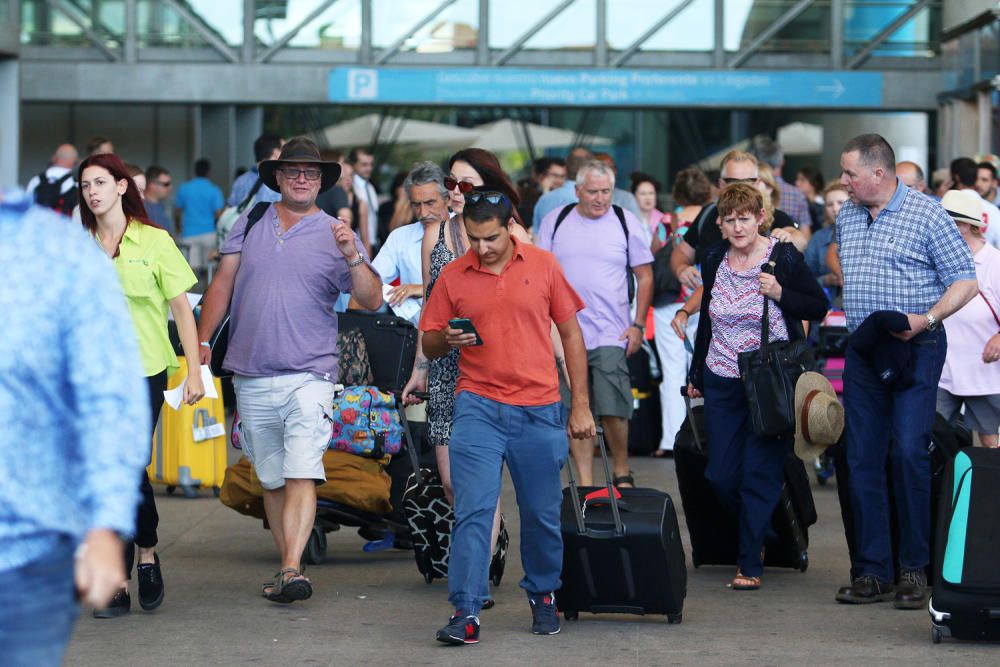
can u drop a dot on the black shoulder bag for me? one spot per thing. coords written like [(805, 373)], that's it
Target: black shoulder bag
[(219, 341), (769, 375)]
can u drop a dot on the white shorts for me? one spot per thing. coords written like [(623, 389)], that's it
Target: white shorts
[(283, 427)]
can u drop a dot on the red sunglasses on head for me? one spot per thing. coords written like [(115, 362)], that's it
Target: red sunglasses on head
[(464, 187)]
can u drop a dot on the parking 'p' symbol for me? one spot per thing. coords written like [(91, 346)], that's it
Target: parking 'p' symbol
[(362, 84)]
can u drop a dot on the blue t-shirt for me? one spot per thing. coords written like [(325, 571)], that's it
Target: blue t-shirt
[(199, 199)]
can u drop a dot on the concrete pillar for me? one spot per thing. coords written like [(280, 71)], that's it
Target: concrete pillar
[(249, 126), (10, 121), (984, 124), (217, 141)]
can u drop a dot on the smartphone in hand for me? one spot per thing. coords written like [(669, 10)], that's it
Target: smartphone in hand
[(465, 325)]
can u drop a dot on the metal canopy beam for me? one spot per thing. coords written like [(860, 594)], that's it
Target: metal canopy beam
[(199, 26), (392, 50), (631, 49), (868, 49), (288, 36), (773, 29), (69, 12), (532, 31)]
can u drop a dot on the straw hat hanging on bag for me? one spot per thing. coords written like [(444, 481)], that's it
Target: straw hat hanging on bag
[(819, 416)]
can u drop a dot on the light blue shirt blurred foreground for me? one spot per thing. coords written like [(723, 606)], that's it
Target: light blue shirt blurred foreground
[(74, 415)]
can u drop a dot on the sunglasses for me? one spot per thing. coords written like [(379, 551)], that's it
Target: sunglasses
[(292, 173), (491, 197), (730, 181), (464, 187)]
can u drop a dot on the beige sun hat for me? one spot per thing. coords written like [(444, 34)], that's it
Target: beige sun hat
[(819, 416), (964, 206)]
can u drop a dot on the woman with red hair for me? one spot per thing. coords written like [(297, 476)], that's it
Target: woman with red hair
[(154, 276)]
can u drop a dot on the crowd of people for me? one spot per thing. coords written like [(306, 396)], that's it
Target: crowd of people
[(556, 274)]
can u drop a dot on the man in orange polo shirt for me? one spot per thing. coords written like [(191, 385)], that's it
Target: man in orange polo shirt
[(508, 407)]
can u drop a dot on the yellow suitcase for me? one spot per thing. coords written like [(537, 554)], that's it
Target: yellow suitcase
[(189, 444)]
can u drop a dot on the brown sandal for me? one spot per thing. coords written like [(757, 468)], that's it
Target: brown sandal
[(741, 582)]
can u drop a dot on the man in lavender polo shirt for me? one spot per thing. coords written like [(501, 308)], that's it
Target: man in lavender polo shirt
[(590, 245), (280, 282)]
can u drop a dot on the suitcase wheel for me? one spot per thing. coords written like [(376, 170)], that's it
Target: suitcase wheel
[(674, 619), (171, 489), (315, 551), (428, 577), (496, 579), (571, 615), (936, 634), (216, 491), (803, 562)]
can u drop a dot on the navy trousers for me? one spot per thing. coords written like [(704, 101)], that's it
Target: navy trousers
[(875, 415), (745, 470)]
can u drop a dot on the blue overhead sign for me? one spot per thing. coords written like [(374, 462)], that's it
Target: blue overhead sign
[(605, 87)]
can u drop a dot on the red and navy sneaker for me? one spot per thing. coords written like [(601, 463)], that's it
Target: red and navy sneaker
[(545, 618), (460, 630)]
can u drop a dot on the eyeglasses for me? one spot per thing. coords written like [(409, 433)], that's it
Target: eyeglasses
[(311, 174), (464, 187), (164, 184), (744, 220), (730, 181), (491, 197)]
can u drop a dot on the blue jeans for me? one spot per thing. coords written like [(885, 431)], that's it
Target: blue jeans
[(745, 470), (532, 441), (39, 609), (875, 415)]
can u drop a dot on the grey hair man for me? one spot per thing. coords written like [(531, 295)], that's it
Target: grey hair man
[(400, 255)]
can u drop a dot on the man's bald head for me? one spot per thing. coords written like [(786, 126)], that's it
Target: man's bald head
[(912, 175), (65, 156)]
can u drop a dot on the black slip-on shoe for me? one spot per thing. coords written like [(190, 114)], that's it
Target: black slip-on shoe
[(120, 605), (150, 584)]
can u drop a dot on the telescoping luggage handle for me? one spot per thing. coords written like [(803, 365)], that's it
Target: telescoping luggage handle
[(412, 451), (581, 527)]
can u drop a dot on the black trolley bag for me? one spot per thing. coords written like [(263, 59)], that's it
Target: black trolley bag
[(965, 600), (621, 556), (714, 531)]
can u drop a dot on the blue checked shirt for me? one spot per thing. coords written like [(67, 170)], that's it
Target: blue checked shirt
[(244, 184), (74, 414), (904, 260)]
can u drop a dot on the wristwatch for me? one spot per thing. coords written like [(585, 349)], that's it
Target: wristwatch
[(640, 327), (932, 322)]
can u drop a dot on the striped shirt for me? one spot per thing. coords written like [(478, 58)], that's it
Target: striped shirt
[(902, 260), (736, 309)]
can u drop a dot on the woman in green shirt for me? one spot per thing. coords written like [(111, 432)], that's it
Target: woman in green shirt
[(154, 277)]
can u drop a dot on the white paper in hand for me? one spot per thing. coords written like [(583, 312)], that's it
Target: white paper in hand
[(174, 397), (409, 309)]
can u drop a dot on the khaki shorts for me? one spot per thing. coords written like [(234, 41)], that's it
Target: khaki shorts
[(610, 384), (283, 426)]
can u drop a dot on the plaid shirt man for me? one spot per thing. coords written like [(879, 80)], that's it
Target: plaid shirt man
[(793, 202), (903, 260)]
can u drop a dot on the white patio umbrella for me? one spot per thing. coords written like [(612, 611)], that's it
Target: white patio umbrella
[(801, 139), (508, 135), (393, 129)]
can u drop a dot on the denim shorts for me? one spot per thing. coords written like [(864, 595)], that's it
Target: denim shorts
[(283, 425)]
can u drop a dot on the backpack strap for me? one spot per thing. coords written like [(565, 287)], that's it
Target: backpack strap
[(620, 212), (559, 218), (255, 214), (60, 181), (253, 192)]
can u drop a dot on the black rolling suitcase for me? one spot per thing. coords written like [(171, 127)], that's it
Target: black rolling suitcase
[(965, 602), (391, 343), (621, 556), (714, 531)]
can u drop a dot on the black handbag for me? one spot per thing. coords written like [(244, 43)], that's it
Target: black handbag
[(664, 280), (769, 375)]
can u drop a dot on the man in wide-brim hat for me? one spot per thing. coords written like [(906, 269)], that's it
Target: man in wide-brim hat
[(819, 416), (283, 340)]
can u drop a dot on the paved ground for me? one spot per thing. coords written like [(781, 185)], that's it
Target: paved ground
[(376, 609)]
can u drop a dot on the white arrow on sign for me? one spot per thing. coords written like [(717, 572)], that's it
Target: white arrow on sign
[(837, 89)]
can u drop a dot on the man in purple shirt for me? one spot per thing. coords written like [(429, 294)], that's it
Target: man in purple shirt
[(590, 243), (280, 282)]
